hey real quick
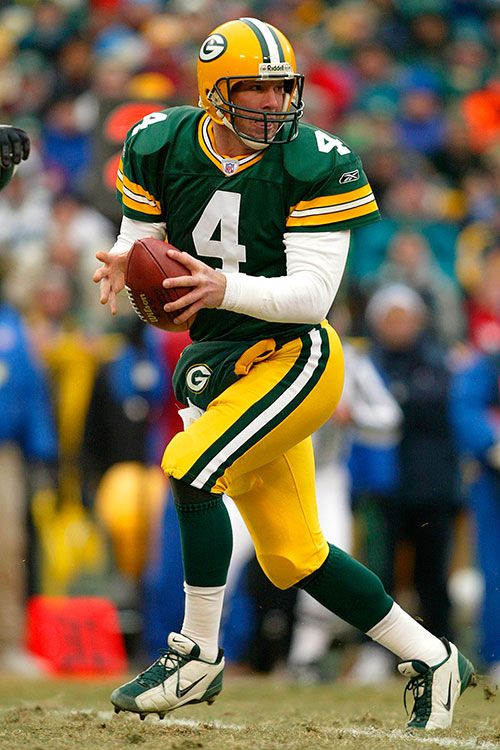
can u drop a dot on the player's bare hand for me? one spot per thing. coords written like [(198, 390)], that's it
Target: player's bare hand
[(208, 287), (111, 277)]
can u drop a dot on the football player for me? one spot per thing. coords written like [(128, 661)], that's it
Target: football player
[(262, 207), (14, 147)]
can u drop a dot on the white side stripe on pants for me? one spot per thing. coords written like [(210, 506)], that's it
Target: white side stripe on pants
[(267, 415)]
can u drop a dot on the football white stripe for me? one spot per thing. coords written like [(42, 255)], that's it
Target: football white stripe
[(267, 415), (270, 40), (333, 209)]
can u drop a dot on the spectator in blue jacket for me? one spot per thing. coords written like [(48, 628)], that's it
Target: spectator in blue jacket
[(28, 445), (475, 408)]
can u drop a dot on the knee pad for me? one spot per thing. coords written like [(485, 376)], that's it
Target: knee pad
[(184, 494), (283, 571)]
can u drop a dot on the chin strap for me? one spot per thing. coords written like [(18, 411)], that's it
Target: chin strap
[(248, 142)]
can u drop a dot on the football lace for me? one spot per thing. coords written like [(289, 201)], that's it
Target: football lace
[(134, 305)]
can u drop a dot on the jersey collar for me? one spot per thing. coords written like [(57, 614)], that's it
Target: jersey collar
[(229, 165)]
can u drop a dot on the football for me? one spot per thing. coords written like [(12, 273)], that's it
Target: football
[(148, 264)]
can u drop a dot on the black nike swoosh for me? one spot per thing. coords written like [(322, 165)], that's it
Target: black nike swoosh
[(447, 705), (181, 693)]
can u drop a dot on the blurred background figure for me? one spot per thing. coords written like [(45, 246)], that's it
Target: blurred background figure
[(483, 304), (28, 454), (28, 449), (417, 515), (476, 417), (410, 261), (120, 476), (127, 396), (368, 416)]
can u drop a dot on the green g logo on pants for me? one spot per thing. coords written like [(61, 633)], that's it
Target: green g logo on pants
[(197, 377)]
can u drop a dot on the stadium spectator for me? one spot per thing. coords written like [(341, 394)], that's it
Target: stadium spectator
[(128, 393), (483, 302), (28, 449), (410, 261), (422, 506), (475, 402), (368, 416)]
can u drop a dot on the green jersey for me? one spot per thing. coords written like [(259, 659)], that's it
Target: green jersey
[(233, 213)]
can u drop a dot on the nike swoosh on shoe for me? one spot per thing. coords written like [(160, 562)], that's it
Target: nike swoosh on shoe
[(447, 705), (181, 693)]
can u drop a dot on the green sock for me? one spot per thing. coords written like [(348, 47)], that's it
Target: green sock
[(206, 538), (349, 589)]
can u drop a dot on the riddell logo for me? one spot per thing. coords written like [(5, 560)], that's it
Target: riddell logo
[(147, 309), (266, 69)]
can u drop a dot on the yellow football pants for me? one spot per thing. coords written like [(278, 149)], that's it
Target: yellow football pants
[(253, 443)]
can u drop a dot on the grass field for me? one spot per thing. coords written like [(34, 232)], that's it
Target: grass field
[(251, 714)]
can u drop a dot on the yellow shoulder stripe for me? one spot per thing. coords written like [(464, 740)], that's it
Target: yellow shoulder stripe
[(333, 200), (135, 196), (330, 217)]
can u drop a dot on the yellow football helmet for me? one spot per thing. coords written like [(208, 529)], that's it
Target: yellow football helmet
[(242, 50)]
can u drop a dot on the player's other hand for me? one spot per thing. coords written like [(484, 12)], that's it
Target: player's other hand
[(208, 287), (111, 277), (14, 145)]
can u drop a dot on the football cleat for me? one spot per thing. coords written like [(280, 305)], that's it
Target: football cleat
[(436, 689), (177, 678)]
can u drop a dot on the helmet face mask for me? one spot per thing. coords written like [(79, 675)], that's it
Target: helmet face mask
[(273, 122), (243, 51)]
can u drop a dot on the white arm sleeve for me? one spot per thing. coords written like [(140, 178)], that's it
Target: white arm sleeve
[(132, 230), (315, 264)]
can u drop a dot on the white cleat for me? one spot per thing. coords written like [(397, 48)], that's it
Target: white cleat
[(177, 678), (437, 689)]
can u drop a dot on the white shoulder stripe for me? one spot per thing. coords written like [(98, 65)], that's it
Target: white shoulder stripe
[(336, 208)]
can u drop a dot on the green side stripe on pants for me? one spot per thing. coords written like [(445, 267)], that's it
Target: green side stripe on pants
[(261, 417)]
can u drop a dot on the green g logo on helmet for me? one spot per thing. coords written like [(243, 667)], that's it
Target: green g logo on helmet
[(213, 47)]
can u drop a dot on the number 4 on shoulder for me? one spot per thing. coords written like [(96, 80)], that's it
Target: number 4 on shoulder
[(328, 142)]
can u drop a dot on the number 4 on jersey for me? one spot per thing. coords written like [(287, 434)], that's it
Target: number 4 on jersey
[(328, 142), (220, 219)]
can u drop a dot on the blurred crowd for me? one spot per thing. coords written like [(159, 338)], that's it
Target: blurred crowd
[(413, 86)]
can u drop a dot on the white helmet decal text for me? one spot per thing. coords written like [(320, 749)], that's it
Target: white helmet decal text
[(270, 70)]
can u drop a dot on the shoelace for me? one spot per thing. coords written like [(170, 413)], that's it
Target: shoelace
[(419, 686), (159, 671)]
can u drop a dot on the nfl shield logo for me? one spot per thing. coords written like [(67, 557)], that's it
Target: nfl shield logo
[(229, 166)]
